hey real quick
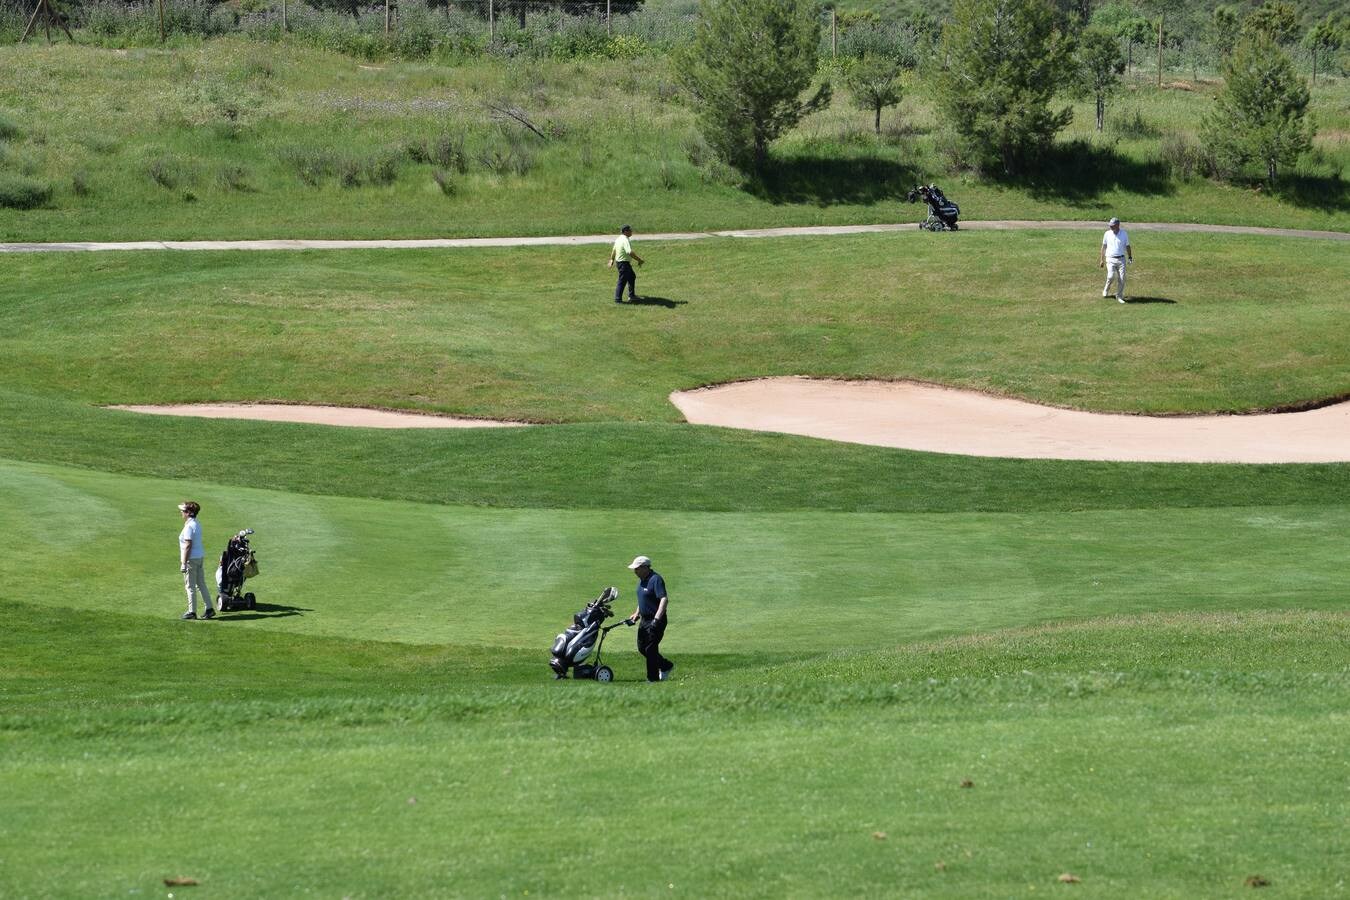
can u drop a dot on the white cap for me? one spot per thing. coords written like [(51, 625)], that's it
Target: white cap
[(639, 561), (1114, 221)]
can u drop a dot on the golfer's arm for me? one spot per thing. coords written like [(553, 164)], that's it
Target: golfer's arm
[(661, 609), (183, 553), (636, 257)]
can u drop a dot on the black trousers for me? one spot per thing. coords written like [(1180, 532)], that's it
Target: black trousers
[(650, 632), (629, 277)]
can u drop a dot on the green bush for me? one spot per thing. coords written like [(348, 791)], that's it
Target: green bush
[(9, 129), (18, 192)]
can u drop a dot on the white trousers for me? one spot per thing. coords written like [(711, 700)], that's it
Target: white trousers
[(1115, 269), (194, 582)]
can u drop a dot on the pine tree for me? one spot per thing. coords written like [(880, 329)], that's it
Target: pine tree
[(747, 68), (1260, 115), (1007, 59)]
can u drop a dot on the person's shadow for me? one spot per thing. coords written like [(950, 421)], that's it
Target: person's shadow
[(646, 300), (263, 611), (1149, 300)]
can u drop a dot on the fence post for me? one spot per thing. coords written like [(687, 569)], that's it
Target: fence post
[(609, 27), (492, 21), (161, 23), (285, 25), (1160, 33), (834, 36), (386, 18)]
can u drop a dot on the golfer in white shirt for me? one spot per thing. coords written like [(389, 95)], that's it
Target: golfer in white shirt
[(1115, 251)]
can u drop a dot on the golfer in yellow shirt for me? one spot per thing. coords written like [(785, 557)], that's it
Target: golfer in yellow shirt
[(622, 254)]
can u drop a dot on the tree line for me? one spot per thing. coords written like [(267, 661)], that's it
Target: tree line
[(999, 68)]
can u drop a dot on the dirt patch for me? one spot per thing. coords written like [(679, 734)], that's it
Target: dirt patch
[(353, 417), (944, 420)]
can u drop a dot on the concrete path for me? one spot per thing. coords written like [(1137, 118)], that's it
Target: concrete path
[(577, 240)]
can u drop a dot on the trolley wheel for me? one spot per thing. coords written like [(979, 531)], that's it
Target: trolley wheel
[(250, 601), (604, 673)]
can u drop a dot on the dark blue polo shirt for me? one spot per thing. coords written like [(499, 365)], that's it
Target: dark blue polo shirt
[(649, 594)]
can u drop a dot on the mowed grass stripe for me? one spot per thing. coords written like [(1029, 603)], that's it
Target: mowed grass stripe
[(529, 333), (740, 582), (1072, 767)]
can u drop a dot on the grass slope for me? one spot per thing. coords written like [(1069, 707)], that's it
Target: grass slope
[(282, 766), (231, 139)]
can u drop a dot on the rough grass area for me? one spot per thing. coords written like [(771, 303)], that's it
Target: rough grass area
[(235, 139)]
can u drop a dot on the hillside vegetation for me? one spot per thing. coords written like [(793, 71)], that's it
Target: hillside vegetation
[(231, 139)]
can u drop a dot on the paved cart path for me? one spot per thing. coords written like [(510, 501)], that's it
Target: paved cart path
[(581, 239)]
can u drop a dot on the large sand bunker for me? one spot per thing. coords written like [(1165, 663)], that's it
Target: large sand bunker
[(318, 415), (945, 420)]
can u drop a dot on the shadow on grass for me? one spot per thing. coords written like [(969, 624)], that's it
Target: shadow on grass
[(263, 611), (1326, 193), (645, 300), (824, 182), (1079, 172), (1149, 300)]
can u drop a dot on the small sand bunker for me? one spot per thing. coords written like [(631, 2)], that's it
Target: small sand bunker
[(318, 415), (945, 420)]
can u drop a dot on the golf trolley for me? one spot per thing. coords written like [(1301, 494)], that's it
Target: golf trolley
[(584, 635), (237, 564), (942, 213)]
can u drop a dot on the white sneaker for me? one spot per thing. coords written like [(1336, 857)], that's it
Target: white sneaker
[(1120, 299)]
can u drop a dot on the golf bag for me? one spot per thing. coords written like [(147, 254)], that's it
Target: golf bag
[(574, 646), (942, 213), (237, 564)]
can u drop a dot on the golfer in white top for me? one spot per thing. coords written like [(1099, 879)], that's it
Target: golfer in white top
[(1115, 251), (191, 557)]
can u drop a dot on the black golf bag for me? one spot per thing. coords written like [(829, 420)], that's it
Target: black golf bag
[(942, 213), (573, 648), (237, 564)]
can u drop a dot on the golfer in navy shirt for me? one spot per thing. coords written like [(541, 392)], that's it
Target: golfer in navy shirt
[(651, 618)]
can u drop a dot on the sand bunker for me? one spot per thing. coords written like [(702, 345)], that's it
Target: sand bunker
[(318, 415), (945, 420)]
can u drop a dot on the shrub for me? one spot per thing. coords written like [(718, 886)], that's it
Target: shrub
[(312, 164), (166, 171), (79, 183), (18, 192), (1131, 124), (9, 129), (1184, 158), (445, 181), (233, 178)]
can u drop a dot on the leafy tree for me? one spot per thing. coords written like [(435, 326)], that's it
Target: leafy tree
[(874, 83), (1224, 26), (1099, 67), (1260, 115), (1324, 39), (1123, 20), (1006, 60), (1276, 18), (747, 67)]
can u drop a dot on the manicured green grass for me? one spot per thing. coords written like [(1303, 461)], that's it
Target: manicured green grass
[(1225, 323), (754, 581), (1090, 750), (1141, 670), (210, 140)]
